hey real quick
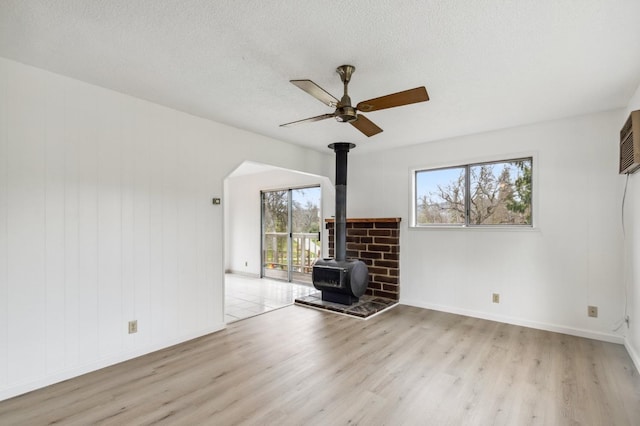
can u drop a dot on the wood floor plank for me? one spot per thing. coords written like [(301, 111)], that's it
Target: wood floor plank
[(301, 366)]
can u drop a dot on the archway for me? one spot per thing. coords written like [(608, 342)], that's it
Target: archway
[(243, 256)]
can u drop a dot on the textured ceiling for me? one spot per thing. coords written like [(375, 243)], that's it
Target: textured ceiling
[(487, 64)]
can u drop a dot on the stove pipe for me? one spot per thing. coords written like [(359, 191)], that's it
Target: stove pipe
[(341, 280), (340, 236)]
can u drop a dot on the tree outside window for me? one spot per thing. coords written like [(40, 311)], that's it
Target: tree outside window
[(496, 193)]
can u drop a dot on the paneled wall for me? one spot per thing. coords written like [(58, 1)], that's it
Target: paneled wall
[(106, 217)]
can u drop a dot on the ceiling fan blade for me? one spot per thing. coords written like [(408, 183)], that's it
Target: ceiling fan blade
[(316, 91), (308, 120), (411, 96), (366, 126)]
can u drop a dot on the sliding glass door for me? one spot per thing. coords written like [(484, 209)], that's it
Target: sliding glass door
[(290, 233)]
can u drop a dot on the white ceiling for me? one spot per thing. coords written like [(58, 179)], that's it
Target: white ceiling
[(487, 64)]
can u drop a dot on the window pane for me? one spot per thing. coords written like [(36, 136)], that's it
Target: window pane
[(500, 193), (440, 196), (275, 210)]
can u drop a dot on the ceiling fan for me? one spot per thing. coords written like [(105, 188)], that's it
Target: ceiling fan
[(346, 113)]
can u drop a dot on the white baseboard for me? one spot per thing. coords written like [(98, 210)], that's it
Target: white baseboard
[(633, 354), (244, 274), (589, 334), (70, 373)]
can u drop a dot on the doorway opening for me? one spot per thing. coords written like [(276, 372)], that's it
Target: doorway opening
[(250, 288)]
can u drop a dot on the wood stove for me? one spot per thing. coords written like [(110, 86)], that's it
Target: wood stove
[(341, 280)]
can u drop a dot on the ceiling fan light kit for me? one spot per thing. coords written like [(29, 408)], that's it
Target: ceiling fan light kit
[(345, 112)]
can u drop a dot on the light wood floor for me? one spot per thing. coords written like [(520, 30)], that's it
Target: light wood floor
[(301, 366)]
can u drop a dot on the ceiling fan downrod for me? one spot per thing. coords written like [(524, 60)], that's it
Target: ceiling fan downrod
[(344, 111)]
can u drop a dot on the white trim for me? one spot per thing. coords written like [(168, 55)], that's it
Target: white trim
[(62, 375), (635, 357), (589, 334), (242, 273), (481, 228)]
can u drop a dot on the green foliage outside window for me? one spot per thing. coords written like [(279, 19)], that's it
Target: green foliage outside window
[(497, 193)]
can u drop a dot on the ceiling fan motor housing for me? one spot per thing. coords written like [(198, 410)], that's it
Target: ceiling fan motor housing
[(346, 114)]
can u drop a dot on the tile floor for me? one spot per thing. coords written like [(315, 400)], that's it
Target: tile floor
[(249, 296)]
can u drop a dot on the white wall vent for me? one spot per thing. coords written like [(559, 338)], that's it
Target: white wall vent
[(630, 144)]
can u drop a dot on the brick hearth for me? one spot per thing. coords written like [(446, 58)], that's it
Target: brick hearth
[(377, 243)]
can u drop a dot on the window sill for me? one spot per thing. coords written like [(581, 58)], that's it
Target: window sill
[(489, 228)]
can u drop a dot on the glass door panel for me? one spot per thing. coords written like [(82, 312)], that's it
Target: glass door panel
[(275, 234), (290, 233), (305, 227)]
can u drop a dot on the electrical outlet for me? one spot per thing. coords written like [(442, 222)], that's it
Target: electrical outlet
[(592, 311), (496, 297), (133, 326)]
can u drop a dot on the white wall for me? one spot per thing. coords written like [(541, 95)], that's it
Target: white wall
[(243, 223), (546, 277), (106, 217), (632, 249)]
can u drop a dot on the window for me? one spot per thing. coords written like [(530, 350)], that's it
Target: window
[(495, 193)]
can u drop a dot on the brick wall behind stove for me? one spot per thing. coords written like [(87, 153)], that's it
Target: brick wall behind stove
[(376, 243)]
